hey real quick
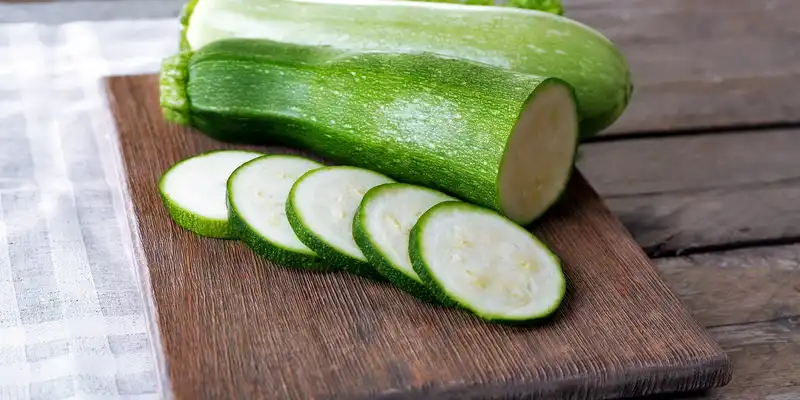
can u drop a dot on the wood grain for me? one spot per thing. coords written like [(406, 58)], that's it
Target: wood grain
[(765, 360), (679, 223), (703, 64), (749, 299), (744, 286), (688, 192), (234, 325)]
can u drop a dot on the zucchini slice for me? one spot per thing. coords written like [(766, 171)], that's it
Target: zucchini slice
[(381, 228), (194, 191), (257, 193), (474, 258), (321, 206)]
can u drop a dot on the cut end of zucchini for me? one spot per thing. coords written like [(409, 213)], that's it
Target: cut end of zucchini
[(321, 208), (257, 193), (482, 261), (540, 153), (194, 191)]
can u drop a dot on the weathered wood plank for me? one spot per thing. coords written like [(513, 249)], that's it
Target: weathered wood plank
[(703, 64), (766, 360), (676, 223), (766, 363), (686, 192), (737, 287), (750, 300), (691, 163)]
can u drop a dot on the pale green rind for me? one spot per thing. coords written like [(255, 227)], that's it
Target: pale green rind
[(174, 72), (262, 245), (527, 41), (203, 226), (379, 261), (186, 14), (416, 251), (207, 227), (329, 253)]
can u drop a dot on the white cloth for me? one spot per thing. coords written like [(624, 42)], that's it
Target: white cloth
[(75, 314)]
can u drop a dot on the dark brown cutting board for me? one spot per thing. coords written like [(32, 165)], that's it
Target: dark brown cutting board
[(236, 326)]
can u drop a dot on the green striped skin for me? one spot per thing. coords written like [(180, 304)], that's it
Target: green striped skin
[(263, 246), (325, 250), (526, 41), (381, 262), (419, 118), (272, 252), (188, 220), (416, 249)]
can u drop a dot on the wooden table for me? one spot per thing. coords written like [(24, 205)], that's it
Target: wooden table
[(704, 169)]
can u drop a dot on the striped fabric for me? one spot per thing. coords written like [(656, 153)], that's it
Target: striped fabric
[(74, 316)]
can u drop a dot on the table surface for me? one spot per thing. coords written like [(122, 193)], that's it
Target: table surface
[(703, 169)]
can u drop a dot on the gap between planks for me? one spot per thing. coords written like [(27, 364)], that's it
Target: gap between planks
[(690, 194), (693, 131)]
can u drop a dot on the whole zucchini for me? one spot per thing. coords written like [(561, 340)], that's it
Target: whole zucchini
[(528, 41), (484, 134)]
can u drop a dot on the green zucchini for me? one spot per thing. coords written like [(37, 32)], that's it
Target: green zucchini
[(496, 138), (476, 259), (257, 193), (194, 193), (527, 41), (320, 208), (381, 228)]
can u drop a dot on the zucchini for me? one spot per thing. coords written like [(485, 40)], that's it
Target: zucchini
[(381, 228), (194, 192), (476, 259), (320, 208), (496, 138), (257, 193), (526, 41)]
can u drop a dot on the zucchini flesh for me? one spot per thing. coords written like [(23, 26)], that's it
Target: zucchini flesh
[(320, 208), (194, 192), (486, 135), (257, 193), (476, 259), (525, 41), (381, 228)]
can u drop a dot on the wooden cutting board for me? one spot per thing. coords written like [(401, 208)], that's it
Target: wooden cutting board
[(236, 326)]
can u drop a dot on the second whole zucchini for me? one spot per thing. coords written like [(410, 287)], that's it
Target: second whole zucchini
[(493, 137), (526, 41)]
